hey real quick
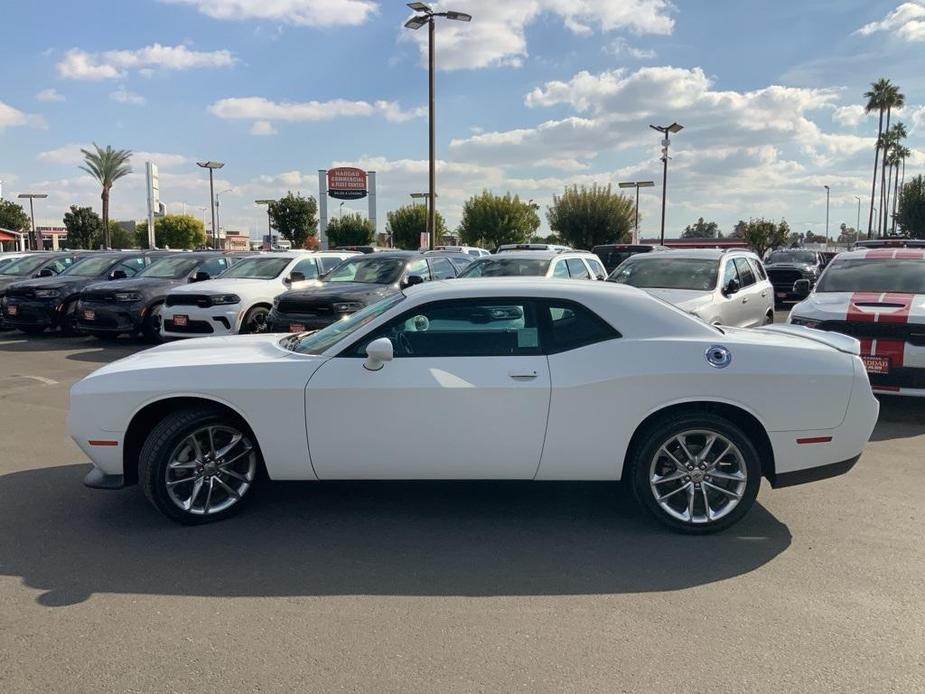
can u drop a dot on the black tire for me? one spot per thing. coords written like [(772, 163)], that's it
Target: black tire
[(769, 319), (31, 329), (68, 320), (165, 439), (151, 325), (661, 433), (255, 320)]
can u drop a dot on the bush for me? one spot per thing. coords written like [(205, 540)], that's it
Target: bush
[(350, 230)]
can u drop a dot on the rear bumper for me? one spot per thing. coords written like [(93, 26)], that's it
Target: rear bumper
[(97, 479), (814, 474)]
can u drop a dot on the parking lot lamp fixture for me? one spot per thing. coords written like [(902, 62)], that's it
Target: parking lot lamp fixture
[(425, 15), (36, 242), (637, 185), (211, 166), (827, 192), (666, 142)]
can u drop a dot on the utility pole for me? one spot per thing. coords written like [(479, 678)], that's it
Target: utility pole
[(666, 142)]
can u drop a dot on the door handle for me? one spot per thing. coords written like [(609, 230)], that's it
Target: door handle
[(522, 375), (745, 300)]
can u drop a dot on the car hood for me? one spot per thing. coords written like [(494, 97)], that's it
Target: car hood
[(336, 291), (137, 284), (225, 286), (861, 306), (685, 299), (203, 352), (802, 267), (69, 282)]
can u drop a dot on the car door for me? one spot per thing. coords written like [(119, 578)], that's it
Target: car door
[(577, 269), (765, 288), (560, 270), (732, 310), (308, 267), (752, 301), (466, 396), (597, 270), (442, 269)]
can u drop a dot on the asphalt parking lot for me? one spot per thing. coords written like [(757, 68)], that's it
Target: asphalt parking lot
[(445, 587)]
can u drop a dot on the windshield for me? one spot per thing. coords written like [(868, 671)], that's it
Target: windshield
[(806, 257), (258, 268), (507, 267), (90, 267), (321, 340), (886, 275), (170, 268), (664, 272), (25, 266), (368, 270)]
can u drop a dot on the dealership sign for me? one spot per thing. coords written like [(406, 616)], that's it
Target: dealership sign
[(347, 183)]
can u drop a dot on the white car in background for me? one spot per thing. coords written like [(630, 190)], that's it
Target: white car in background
[(473, 251), (560, 380), (720, 287), (576, 265), (239, 300)]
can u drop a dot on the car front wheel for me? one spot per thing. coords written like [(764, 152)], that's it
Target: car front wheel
[(198, 465), (696, 474)]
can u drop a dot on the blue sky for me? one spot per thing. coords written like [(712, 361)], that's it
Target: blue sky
[(532, 95)]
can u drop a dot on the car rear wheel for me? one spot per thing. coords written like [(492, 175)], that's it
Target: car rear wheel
[(255, 320), (198, 465), (696, 474), (769, 319), (151, 326)]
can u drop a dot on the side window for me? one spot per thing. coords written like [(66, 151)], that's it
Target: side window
[(730, 273), (307, 267), (572, 326), (560, 270), (746, 275), (419, 268), (131, 267), (60, 265), (461, 328), (442, 269), (577, 269), (597, 268), (329, 263), (759, 269), (214, 266)]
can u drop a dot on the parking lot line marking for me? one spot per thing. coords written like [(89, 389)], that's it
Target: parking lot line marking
[(41, 379)]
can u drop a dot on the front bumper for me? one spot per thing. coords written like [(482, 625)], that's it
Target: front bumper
[(30, 313), (216, 320), (110, 318), (278, 322)]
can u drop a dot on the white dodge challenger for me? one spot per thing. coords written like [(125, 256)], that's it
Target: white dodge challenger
[(485, 379)]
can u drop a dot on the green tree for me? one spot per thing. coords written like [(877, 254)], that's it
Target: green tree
[(350, 230), (83, 227), (702, 230), (295, 218), (738, 231), (120, 237), (911, 213), (586, 217), (13, 217), (107, 166), (406, 224), (847, 234), (763, 235), (173, 231), (490, 220)]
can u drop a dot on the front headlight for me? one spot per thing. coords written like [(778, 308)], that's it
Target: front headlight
[(225, 299), (806, 322), (347, 307), (46, 293), (127, 296)]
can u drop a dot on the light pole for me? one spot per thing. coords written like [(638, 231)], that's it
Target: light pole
[(637, 185), (269, 225), (211, 166), (827, 192), (426, 16), (666, 142), (36, 245), (857, 227), (340, 213)]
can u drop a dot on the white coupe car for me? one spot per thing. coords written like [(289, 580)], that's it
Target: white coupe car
[(240, 300), (562, 380)]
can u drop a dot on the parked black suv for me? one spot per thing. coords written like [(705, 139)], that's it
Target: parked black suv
[(40, 264), (34, 305), (613, 254), (785, 267), (355, 283), (110, 309)]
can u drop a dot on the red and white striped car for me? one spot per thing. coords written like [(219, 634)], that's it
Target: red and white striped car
[(876, 295)]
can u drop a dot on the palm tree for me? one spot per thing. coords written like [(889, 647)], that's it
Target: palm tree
[(893, 138), (107, 166), (877, 99), (900, 153), (894, 99)]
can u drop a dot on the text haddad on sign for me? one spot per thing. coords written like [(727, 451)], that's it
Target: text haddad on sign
[(347, 183)]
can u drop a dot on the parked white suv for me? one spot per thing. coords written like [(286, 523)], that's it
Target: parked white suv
[(719, 286), (577, 265), (239, 300)]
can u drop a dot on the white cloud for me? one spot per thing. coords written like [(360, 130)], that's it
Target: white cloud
[(263, 127), (321, 13), (11, 117), (497, 35), (907, 22), (123, 96), (620, 47), (49, 95), (261, 109), (850, 116), (81, 65), (918, 119), (69, 154)]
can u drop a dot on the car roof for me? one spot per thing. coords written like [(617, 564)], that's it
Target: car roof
[(704, 253), (533, 255), (881, 254), (389, 254)]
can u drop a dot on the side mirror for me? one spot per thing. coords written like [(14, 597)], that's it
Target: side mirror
[(117, 275), (378, 352), (47, 272), (201, 276), (732, 286), (411, 280), (295, 277), (801, 288)]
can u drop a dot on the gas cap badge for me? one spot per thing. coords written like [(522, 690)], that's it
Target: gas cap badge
[(718, 356)]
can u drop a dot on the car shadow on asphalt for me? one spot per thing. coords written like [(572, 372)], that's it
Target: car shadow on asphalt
[(363, 538), (900, 418), (93, 350)]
